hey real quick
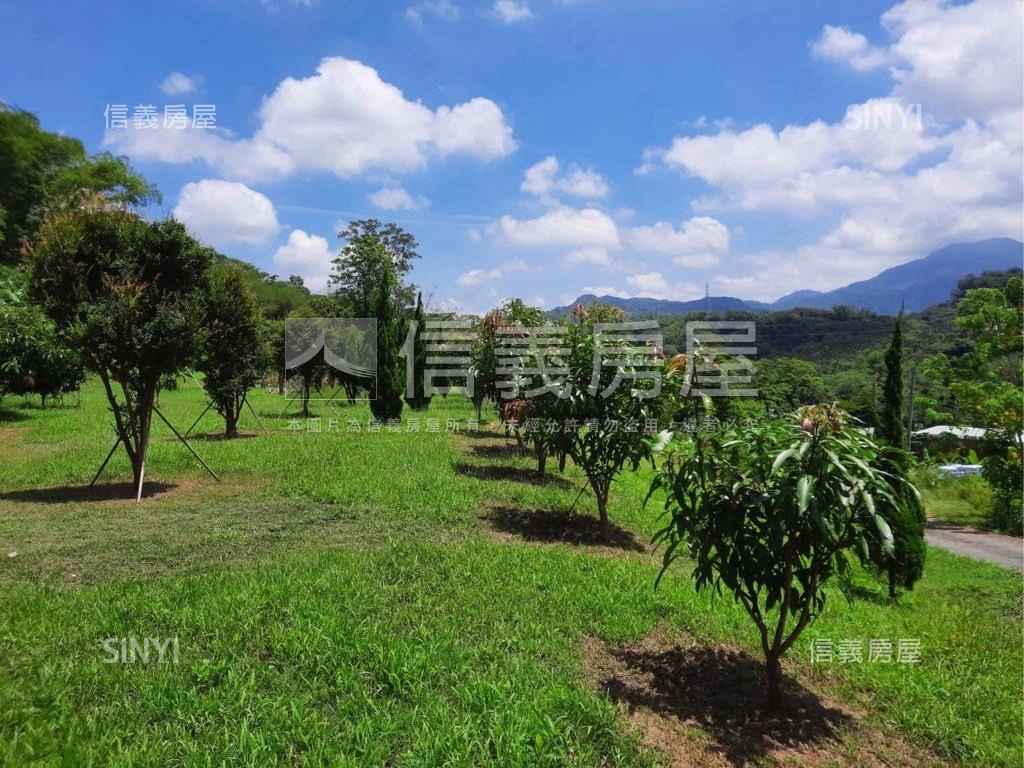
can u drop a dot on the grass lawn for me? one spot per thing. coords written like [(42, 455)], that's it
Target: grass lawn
[(421, 598), (958, 500)]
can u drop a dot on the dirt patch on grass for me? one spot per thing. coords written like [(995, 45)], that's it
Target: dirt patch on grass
[(700, 705)]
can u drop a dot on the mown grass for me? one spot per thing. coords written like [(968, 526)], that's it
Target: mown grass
[(347, 599)]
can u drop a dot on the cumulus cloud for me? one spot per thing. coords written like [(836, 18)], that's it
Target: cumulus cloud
[(177, 83), (544, 180), (851, 48), (511, 11), (223, 212), (345, 120), (936, 160), (589, 255), (563, 226), (397, 199), (481, 276), (308, 256), (698, 243)]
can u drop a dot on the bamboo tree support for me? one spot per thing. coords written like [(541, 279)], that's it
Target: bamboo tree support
[(185, 442), (105, 462), (254, 414), (206, 410)]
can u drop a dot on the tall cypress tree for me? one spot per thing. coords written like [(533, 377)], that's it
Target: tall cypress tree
[(419, 400), (386, 396), (892, 393)]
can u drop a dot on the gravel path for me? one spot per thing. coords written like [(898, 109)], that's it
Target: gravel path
[(1007, 551)]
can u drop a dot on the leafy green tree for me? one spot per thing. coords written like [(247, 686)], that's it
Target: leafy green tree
[(371, 249), (484, 359), (419, 401), (609, 414), (769, 512), (129, 293), (389, 385), (893, 430), (786, 383), (234, 355), (989, 388), (49, 365), (43, 172)]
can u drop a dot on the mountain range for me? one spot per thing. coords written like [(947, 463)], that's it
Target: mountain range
[(915, 285)]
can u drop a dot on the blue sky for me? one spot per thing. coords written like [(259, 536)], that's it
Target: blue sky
[(542, 148)]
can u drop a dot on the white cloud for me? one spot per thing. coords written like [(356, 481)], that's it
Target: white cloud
[(958, 60), (445, 10), (543, 180), (308, 256), (481, 276), (397, 199), (589, 255), (344, 120), (563, 226), (222, 212), (935, 161), (511, 11), (655, 286), (698, 243), (842, 45), (176, 84)]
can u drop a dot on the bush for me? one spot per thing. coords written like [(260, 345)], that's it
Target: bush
[(1006, 512)]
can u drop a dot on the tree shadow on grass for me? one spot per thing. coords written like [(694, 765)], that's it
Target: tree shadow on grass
[(515, 474), (216, 437), (63, 494), (11, 415), (551, 525), (721, 691), (506, 451)]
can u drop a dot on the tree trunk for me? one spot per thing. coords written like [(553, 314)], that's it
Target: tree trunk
[(773, 682), (231, 423), (602, 511), (561, 461), (892, 582), (305, 397), (542, 459), (280, 382)]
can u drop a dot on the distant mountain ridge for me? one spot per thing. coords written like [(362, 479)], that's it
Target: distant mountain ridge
[(916, 285), (920, 283)]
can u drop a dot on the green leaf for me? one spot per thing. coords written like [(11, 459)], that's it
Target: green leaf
[(804, 487), (782, 457)]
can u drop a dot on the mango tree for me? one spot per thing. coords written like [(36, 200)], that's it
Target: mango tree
[(770, 512)]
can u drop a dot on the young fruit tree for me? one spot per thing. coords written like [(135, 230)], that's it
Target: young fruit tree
[(234, 356), (610, 404), (35, 358), (771, 511), (129, 294)]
